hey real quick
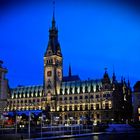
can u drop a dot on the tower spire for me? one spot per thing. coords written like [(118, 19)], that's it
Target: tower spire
[(113, 77), (53, 18), (69, 70)]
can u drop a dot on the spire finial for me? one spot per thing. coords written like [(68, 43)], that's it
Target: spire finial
[(69, 70), (113, 69), (53, 8), (128, 81), (53, 18), (105, 69), (113, 77)]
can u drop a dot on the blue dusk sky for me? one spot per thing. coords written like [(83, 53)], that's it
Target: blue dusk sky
[(92, 34)]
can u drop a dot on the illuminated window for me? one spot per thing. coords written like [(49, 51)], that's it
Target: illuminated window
[(138, 110), (139, 118), (12, 96)]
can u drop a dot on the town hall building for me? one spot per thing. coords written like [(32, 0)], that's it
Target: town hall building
[(70, 100)]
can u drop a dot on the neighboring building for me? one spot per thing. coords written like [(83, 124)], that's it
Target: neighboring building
[(4, 90), (136, 102), (70, 100)]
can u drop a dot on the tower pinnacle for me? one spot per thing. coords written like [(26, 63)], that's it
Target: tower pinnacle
[(69, 70), (53, 18)]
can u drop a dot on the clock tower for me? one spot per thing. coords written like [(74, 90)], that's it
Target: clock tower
[(53, 64)]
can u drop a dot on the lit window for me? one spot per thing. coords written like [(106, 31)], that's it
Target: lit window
[(139, 118), (138, 110)]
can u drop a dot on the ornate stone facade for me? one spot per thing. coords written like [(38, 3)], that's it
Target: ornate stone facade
[(4, 90), (70, 100)]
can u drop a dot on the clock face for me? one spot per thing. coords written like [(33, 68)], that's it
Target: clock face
[(49, 73), (58, 74)]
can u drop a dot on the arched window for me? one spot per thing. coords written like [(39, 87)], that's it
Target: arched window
[(75, 107), (60, 108), (70, 108), (86, 97), (91, 88), (70, 90), (21, 101), (81, 97), (91, 97), (76, 90), (97, 96), (86, 89), (91, 107), (81, 89), (65, 108), (61, 90), (86, 107), (81, 107), (66, 90), (65, 98)]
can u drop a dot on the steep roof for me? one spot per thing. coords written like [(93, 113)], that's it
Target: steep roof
[(70, 78)]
